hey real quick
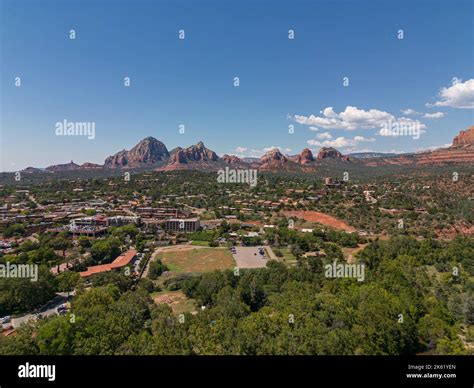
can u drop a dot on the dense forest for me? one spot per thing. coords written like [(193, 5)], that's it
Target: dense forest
[(418, 296)]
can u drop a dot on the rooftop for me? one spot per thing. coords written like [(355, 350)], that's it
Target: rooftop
[(119, 262)]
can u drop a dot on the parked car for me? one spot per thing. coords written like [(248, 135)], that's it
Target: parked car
[(61, 310), (5, 319)]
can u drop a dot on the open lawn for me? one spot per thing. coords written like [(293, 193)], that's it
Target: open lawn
[(287, 257), (200, 243), (198, 260)]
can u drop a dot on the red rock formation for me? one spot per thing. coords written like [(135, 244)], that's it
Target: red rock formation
[(199, 152), (193, 157), (232, 159), (273, 155), (274, 160), (461, 151), (464, 139), (148, 151), (329, 152), (305, 157)]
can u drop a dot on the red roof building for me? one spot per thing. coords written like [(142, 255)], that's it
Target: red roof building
[(121, 261)]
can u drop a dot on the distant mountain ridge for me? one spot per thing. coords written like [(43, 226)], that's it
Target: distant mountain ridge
[(63, 167), (366, 155), (461, 151), (151, 153)]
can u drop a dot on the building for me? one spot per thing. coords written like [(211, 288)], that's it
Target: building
[(88, 226), (88, 221), (123, 260), (182, 225), (123, 220), (157, 212)]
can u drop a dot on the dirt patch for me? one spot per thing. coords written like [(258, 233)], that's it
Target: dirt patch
[(178, 302), (350, 252), (321, 218), (169, 298)]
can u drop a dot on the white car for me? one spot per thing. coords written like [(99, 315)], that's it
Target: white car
[(5, 319)]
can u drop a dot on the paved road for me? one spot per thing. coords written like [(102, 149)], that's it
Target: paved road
[(271, 254), (47, 310)]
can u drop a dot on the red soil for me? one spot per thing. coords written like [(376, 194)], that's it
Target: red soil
[(325, 219)]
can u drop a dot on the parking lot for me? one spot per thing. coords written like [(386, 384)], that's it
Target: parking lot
[(249, 257)]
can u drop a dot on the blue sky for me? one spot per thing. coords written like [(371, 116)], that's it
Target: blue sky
[(282, 81)]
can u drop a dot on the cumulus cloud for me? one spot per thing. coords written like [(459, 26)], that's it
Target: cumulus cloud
[(282, 149), (458, 95), (240, 150), (256, 153), (350, 119), (325, 135), (341, 142), (410, 111), (436, 115)]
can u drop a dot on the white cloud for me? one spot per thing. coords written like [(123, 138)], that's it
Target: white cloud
[(436, 115), (266, 149), (256, 153), (325, 135), (410, 111), (341, 142), (329, 112), (458, 95), (314, 129), (350, 119), (240, 150)]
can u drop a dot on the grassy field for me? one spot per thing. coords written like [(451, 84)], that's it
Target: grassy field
[(200, 243), (198, 260), (288, 257)]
